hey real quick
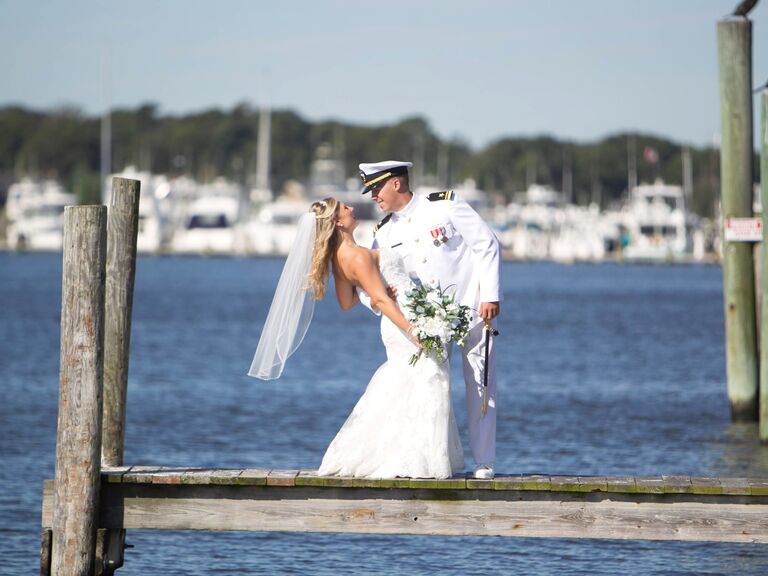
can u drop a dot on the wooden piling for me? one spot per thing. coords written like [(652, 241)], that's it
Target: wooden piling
[(78, 440), (122, 232), (764, 287), (45, 552), (735, 63)]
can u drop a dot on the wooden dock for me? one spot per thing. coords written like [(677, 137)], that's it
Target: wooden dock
[(648, 508), (95, 498)]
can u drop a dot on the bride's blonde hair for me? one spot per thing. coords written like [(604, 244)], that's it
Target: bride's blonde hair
[(326, 241)]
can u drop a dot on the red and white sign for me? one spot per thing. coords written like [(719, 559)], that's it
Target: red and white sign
[(744, 229)]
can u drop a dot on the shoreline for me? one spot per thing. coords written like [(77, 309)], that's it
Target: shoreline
[(711, 260)]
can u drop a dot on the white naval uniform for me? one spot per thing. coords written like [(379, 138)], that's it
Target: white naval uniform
[(468, 265)]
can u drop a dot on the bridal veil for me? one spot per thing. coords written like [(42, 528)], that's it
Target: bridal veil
[(292, 307)]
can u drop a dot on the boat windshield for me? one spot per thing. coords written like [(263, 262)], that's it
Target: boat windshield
[(208, 221)]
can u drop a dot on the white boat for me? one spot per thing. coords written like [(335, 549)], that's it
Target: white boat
[(273, 230), (35, 213), (209, 223), (154, 208), (655, 220), (542, 226), (580, 236), (20, 195), (327, 179)]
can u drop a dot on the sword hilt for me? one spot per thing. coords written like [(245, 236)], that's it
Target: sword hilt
[(489, 328)]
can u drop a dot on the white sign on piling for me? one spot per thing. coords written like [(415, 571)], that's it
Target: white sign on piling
[(744, 229)]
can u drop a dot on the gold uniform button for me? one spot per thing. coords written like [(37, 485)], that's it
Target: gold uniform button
[(408, 220), (423, 260), (417, 240)]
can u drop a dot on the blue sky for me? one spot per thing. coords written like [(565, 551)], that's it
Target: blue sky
[(476, 70)]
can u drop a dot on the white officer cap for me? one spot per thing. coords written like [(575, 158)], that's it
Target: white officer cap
[(378, 172)]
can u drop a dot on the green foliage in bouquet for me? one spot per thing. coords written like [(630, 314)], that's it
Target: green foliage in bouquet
[(437, 319)]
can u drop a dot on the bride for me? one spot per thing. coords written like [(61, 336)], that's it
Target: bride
[(403, 425)]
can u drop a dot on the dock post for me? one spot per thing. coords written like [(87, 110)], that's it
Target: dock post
[(45, 552), (764, 286), (78, 438), (122, 232), (734, 39)]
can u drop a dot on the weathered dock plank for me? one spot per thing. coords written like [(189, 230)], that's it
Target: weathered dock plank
[(655, 508)]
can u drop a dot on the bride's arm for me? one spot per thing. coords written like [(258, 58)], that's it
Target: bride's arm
[(364, 272)]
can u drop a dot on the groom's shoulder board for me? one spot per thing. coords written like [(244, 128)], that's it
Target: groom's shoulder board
[(382, 222), (445, 195)]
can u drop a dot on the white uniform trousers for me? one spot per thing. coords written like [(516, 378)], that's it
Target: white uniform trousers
[(482, 429)]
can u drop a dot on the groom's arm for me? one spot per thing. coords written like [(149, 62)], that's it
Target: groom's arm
[(365, 300), (486, 253)]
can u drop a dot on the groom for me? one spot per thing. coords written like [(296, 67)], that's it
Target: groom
[(444, 242)]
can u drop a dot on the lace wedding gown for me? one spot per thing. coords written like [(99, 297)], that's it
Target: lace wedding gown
[(403, 425)]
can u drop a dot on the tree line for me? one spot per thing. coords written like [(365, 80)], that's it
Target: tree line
[(65, 144)]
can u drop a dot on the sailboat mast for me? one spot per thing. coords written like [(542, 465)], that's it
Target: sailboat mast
[(631, 164), (442, 166), (263, 148), (106, 122), (567, 175), (687, 176)]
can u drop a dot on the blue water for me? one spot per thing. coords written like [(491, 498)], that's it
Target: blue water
[(602, 370)]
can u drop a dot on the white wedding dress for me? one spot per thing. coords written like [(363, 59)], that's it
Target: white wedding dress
[(403, 425)]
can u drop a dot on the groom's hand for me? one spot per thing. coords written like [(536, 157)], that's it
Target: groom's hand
[(489, 310)]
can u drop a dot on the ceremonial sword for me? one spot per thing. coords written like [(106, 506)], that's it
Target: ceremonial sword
[(489, 330)]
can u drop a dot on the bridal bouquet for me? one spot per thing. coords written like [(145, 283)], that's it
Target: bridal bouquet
[(437, 319)]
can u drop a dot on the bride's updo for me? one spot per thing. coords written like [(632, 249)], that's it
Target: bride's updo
[(326, 240)]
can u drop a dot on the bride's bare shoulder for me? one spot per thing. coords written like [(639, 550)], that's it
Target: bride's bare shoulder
[(356, 259)]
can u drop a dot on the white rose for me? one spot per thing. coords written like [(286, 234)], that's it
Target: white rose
[(434, 299), (433, 326)]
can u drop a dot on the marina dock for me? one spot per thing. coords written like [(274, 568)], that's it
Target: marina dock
[(643, 508)]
